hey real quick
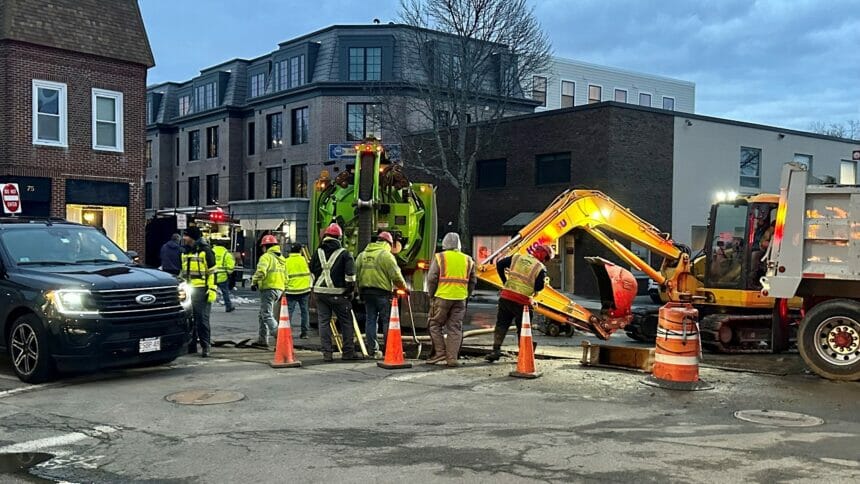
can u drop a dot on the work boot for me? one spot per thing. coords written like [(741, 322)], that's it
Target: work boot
[(494, 356), (327, 357), (205, 353), (261, 343), (434, 360), (304, 335), (229, 310)]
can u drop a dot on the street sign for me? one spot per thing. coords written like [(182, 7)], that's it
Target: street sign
[(346, 151), (11, 198), (181, 221)]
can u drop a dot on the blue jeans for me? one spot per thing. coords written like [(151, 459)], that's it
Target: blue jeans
[(377, 308), (269, 313), (225, 291), (300, 302)]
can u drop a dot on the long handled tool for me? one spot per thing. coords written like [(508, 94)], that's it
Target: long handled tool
[(358, 334), (412, 321), (338, 339)]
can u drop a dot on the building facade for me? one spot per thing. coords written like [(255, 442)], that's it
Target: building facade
[(567, 83), (666, 166), (72, 111), (251, 135)]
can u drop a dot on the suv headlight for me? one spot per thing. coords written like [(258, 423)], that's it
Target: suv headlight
[(73, 301), (185, 295)]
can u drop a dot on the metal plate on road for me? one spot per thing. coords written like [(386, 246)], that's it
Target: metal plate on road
[(778, 418), (204, 397), (148, 345)]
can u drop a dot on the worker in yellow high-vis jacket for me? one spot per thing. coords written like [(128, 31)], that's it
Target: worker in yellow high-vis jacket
[(298, 287)]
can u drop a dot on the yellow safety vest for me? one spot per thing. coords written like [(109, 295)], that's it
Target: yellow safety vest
[(224, 264), (271, 270), (522, 274), (197, 273), (454, 270), (298, 275)]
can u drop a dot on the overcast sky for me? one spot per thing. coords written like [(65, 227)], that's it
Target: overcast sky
[(780, 62)]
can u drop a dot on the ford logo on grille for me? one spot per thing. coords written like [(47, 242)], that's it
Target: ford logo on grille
[(145, 299)]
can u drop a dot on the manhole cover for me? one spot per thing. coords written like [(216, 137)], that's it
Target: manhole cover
[(778, 418), (204, 397)]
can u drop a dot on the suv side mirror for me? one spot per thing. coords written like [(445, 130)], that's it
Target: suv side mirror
[(135, 258)]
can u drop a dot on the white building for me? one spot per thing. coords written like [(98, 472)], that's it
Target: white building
[(569, 83)]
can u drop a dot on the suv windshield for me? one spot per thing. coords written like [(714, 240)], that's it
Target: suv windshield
[(60, 245)]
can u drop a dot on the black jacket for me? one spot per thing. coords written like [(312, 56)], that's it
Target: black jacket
[(343, 271)]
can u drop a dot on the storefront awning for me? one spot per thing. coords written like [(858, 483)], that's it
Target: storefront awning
[(261, 223), (520, 220)]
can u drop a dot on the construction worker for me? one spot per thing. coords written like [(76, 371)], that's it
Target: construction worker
[(269, 278), (450, 282), (523, 276), (378, 276), (333, 269), (298, 287), (198, 262), (224, 266)]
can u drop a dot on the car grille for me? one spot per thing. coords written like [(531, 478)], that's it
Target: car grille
[(124, 303)]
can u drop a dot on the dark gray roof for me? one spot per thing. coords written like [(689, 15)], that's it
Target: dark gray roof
[(106, 28)]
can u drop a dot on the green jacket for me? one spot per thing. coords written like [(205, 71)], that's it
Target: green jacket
[(299, 277), (271, 270), (224, 264), (377, 268)]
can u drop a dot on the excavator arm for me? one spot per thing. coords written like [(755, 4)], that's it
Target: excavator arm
[(601, 217)]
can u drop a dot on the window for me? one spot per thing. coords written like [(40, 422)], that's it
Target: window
[(362, 122), (252, 186), (184, 105), (107, 120), (644, 99), (49, 113), (205, 98), (283, 81), (300, 126), (252, 138), (148, 153), (552, 168), (149, 112), (365, 63), (176, 195), (805, 160), (567, 90), (274, 131), (212, 142), (147, 195), (273, 183), (669, 103), (539, 89), (491, 173), (595, 94), (211, 189), (257, 84), (297, 71), (193, 191), (848, 172), (750, 167), (177, 150), (621, 95), (443, 118), (194, 145), (299, 180)]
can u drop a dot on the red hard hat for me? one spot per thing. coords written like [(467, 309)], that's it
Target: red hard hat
[(386, 236), (269, 240), (334, 230), (543, 252)]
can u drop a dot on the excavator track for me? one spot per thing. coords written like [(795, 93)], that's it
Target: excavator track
[(736, 333)]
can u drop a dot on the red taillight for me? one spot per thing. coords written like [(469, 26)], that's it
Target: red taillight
[(781, 269)]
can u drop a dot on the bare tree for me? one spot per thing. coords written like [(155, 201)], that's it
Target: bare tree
[(473, 65), (849, 129)]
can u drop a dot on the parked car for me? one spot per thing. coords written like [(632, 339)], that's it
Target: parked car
[(72, 300), (654, 292)]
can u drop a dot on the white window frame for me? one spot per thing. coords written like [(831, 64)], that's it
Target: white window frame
[(626, 95), (663, 103), (118, 115), (561, 92), (63, 113), (853, 165), (588, 93), (650, 97)]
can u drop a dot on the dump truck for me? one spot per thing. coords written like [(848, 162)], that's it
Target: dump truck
[(375, 195), (815, 254)]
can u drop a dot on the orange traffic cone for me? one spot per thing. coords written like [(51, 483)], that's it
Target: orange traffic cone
[(526, 357), (678, 350), (284, 357), (394, 342)]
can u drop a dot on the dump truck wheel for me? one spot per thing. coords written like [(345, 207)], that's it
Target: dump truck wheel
[(829, 339)]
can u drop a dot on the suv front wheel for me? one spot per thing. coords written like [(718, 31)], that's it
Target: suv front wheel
[(28, 350)]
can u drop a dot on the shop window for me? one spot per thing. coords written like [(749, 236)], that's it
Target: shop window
[(552, 168), (49, 113), (211, 189), (111, 219), (212, 142), (274, 187), (193, 191), (491, 173), (299, 181)]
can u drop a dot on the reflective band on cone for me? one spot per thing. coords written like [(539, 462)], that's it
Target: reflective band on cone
[(394, 359), (284, 355), (526, 356), (678, 349)]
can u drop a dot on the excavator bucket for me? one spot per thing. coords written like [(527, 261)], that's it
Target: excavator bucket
[(616, 284)]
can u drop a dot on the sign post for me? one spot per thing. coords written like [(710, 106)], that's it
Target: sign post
[(181, 221), (11, 199)]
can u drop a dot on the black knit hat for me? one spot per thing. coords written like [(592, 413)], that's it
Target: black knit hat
[(194, 232)]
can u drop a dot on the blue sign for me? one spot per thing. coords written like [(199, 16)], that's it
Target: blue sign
[(346, 151)]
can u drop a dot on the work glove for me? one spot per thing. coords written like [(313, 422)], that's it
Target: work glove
[(254, 287)]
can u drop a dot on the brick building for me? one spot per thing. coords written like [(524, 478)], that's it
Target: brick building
[(72, 111)]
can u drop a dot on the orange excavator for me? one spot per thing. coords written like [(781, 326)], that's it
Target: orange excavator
[(720, 280)]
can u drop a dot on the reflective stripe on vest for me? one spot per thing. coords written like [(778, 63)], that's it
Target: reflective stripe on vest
[(195, 270), (454, 270), (324, 284), (522, 274), (298, 275)]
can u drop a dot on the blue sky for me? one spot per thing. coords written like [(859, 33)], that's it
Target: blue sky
[(781, 62)]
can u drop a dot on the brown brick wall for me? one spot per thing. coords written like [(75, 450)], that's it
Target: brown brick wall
[(20, 63)]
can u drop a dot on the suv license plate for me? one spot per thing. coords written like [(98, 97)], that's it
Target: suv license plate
[(148, 345)]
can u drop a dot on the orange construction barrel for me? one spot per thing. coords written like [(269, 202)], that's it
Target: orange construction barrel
[(678, 349)]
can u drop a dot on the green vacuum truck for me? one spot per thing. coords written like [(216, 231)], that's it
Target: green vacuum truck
[(372, 196)]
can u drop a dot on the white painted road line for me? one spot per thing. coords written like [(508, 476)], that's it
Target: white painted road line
[(58, 440), (28, 388)]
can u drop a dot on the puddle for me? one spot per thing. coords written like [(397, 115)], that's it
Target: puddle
[(20, 463)]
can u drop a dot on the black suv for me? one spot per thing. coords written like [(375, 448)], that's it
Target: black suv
[(71, 300)]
